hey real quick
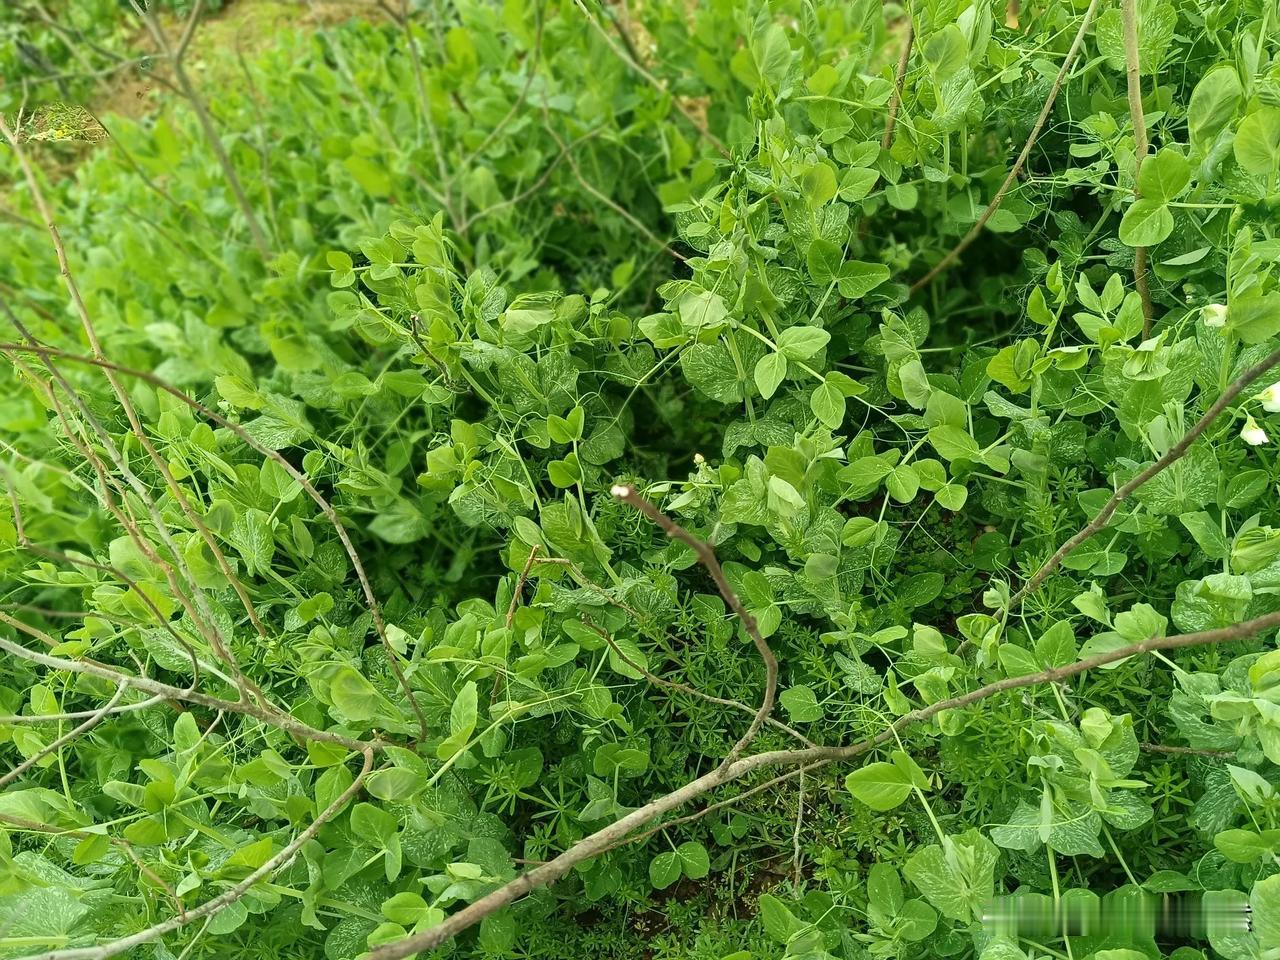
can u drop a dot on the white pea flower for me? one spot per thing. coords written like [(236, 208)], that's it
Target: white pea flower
[(699, 459), (1215, 315), (1270, 398), (1252, 434)]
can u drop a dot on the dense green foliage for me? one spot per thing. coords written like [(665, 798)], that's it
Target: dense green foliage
[(508, 270)]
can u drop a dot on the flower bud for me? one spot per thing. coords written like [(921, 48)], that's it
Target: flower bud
[(1215, 315), (1252, 434), (1270, 398)]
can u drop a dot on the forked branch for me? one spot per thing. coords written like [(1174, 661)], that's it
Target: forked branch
[(707, 557), (1175, 453), (211, 907), (1018, 164), (616, 832)]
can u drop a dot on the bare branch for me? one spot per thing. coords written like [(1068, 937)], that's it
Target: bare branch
[(1133, 83), (219, 903), (66, 738), (654, 82), (896, 100), (707, 556), (998, 199), (618, 831), (1174, 454), (154, 687), (176, 57), (326, 508)]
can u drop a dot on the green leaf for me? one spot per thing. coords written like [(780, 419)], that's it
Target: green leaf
[(801, 343), (1164, 176), (952, 496), (1257, 143), (954, 443), (827, 404), (857, 278), (881, 786), (1213, 105), (801, 704), (353, 695), (1255, 317), (902, 483), (664, 870), (769, 372), (1146, 223), (394, 784), (694, 860), (772, 53), (823, 260)]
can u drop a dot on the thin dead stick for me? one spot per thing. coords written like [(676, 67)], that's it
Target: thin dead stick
[(617, 831), (1172, 455), (520, 582), (168, 692), (608, 201), (896, 100), (693, 691), (219, 903), (35, 826), (707, 556), (1133, 83), (795, 836), (654, 82), (326, 508), (176, 57), (1185, 751), (63, 740), (223, 650), (537, 184), (718, 805), (520, 100), (40, 718), (998, 199)]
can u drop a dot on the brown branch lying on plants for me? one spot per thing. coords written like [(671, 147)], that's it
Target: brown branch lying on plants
[(66, 738), (1185, 751), (519, 588), (899, 76), (718, 805), (35, 826), (707, 557), (1133, 85), (205, 614), (1018, 164), (1173, 454), (320, 501), (692, 691), (211, 907), (619, 830), (536, 185), (154, 687), (607, 200), (654, 82), (176, 57)]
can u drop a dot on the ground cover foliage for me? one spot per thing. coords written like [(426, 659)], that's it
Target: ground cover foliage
[(536, 479)]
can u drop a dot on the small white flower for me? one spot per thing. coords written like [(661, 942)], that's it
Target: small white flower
[(699, 459), (1252, 434), (1215, 315), (1270, 398), (620, 491)]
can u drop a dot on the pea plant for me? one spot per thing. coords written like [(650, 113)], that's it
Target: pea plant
[(557, 478)]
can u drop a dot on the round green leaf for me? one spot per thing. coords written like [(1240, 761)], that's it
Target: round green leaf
[(881, 786), (1146, 223)]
